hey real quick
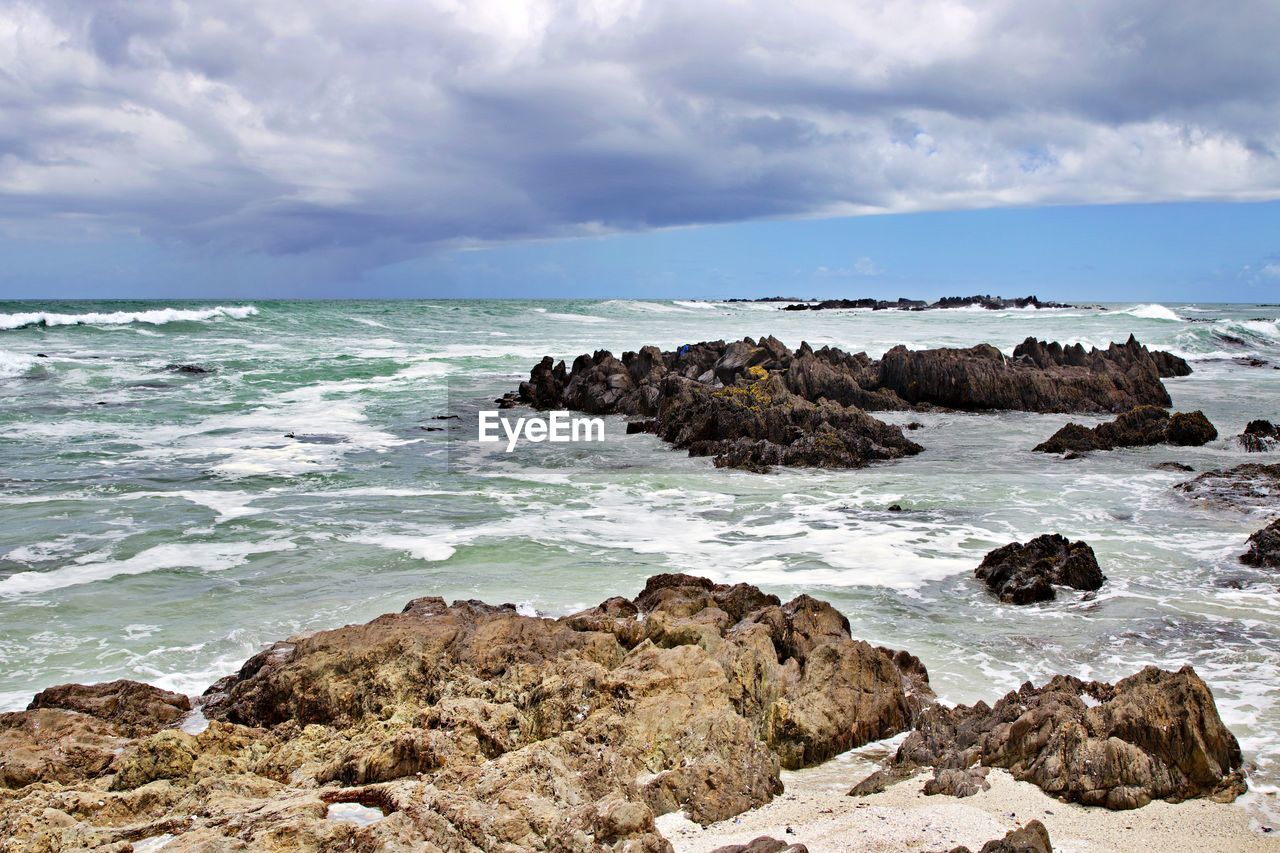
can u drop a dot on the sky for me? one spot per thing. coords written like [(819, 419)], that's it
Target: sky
[(1127, 149)]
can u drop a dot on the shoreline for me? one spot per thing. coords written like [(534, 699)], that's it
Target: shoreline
[(824, 818)]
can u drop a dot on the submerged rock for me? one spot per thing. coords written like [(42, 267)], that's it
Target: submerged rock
[(1247, 486), (1142, 426), (1155, 735), (470, 726), (1259, 436), (1022, 573), (1264, 547), (189, 369)]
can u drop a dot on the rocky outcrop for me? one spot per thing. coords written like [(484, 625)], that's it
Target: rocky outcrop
[(1264, 547), (1031, 838), (1022, 573), (1260, 436), (1142, 426), (1153, 736), (1248, 486), (991, 303), (753, 404), (132, 708), (472, 727)]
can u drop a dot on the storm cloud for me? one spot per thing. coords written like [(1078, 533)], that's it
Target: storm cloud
[(386, 129)]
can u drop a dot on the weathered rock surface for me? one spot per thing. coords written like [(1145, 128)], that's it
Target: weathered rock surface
[(1022, 573), (1153, 735), (1248, 486), (1260, 436), (472, 727), (1031, 838), (1142, 426), (1264, 547)]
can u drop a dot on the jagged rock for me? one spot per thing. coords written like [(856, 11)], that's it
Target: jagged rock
[(763, 844), (133, 708), (991, 303), (1142, 426), (1153, 735), (1259, 436), (958, 782), (472, 727), (1172, 466), (1248, 486), (1022, 573), (1264, 547), (1031, 838)]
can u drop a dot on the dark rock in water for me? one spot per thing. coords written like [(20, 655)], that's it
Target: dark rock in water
[(444, 417), (1022, 573), (1259, 436), (1172, 466), (190, 369), (1142, 426), (1170, 365), (1251, 485), (957, 782), (915, 425), (41, 355), (895, 507), (1155, 735), (991, 303), (133, 708), (646, 425), (763, 844), (808, 406), (1264, 547), (1032, 838), (318, 437)]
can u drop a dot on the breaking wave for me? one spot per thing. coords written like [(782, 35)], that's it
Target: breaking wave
[(155, 317)]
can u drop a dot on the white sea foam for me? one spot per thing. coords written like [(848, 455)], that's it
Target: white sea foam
[(1151, 311), (204, 556), (367, 322), (422, 547), (15, 364), (155, 317)]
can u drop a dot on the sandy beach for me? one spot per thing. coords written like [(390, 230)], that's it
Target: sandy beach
[(902, 818)]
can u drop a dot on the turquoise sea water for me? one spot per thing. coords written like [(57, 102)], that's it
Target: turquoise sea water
[(163, 526)]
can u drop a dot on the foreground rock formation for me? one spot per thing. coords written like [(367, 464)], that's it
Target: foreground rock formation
[(1031, 838), (1022, 573), (1142, 426), (470, 727), (752, 404), (1153, 735)]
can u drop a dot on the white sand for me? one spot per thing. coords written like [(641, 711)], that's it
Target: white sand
[(902, 818)]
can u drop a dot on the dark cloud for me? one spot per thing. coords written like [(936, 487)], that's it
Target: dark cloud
[(378, 131)]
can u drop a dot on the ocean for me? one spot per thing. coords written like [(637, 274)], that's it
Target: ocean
[(164, 525)]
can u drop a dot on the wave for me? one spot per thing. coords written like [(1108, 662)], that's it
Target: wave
[(205, 556), (1151, 311), (421, 547), (154, 317), (14, 364), (1231, 338)]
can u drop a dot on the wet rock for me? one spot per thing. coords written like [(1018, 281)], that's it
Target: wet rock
[(1264, 547), (470, 726), (763, 844), (1142, 426), (134, 709), (1172, 466), (1248, 486), (1023, 573), (991, 303), (1153, 735), (1031, 838), (189, 369), (1259, 436)]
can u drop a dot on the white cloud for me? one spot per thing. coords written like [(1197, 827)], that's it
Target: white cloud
[(380, 129)]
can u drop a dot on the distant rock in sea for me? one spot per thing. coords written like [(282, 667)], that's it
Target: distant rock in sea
[(993, 303)]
